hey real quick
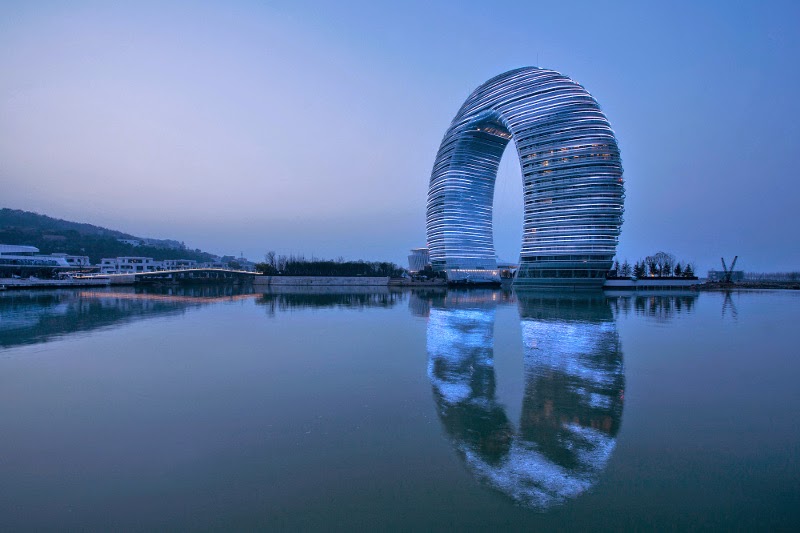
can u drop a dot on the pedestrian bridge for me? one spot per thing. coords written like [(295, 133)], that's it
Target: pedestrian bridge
[(195, 275), (189, 275)]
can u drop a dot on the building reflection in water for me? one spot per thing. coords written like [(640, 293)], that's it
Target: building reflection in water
[(32, 317), (573, 394)]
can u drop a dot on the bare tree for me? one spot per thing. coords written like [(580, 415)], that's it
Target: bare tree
[(665, 263), (281, 262), (270, 259)]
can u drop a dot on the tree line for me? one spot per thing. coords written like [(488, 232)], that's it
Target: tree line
[(658, 265), (298, 265)]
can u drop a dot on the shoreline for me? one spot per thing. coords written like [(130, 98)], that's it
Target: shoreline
[(749, 285), (267, 282)]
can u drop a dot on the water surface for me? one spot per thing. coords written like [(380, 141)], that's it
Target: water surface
[(210, 409)]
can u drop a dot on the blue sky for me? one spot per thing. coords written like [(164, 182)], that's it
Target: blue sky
[(312, 127)]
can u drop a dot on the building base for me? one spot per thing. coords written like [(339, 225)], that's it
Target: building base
[(563, 272), (477, 276)]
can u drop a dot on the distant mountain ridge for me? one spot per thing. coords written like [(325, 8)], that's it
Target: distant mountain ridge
[(53, 235), (27, 219)]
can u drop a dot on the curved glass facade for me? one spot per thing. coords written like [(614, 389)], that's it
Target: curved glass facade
[(572, 181)]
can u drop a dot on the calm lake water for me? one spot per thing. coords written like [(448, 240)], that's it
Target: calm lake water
[(430, 410)]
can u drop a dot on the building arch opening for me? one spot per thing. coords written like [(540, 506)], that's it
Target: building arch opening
[(508, 208)]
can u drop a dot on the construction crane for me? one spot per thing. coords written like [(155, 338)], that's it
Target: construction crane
[(728, 273)]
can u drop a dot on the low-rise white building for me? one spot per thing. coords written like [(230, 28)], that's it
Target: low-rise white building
[(179, 264), (129, 265), (75, 260), (25, 261), (719, 275), (212, 264), (419, 259)]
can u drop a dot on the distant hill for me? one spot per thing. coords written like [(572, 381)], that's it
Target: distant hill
[(53, 235)]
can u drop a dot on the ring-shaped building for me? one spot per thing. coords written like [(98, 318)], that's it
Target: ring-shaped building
[(572, 182)]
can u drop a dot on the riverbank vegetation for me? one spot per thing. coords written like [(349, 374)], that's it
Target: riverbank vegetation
[(659, 265), (298, 265)]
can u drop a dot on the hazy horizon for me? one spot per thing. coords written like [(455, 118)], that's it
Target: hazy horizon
[(248, 127)]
